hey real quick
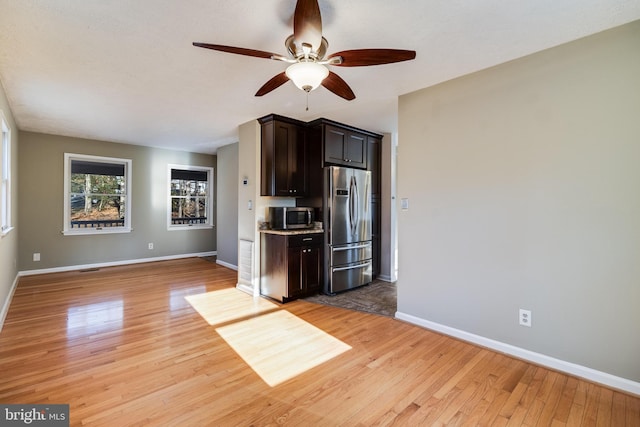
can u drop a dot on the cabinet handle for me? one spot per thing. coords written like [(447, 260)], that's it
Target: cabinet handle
[(307, 239)]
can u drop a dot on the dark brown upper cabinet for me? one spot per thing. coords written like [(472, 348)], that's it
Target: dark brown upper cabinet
[(374, 148), (284, 157), (346, 147)]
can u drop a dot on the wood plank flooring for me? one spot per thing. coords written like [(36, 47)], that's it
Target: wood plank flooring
[(123, 346)]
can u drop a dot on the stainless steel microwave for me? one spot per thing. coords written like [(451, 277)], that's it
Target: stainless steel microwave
[(290, 217)]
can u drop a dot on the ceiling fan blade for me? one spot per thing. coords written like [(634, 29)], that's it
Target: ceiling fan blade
[(239, 50), (364, 57), (307, 23), (272, 84), (335, 84)]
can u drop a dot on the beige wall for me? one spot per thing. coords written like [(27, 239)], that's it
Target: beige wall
[(388, 238), (41, 205), (249, 153), (522, 183), (227, 222), (9, 243)]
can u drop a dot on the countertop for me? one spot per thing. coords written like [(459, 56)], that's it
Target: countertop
[(293, 232)]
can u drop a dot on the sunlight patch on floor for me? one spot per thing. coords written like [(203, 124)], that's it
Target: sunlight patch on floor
[(94, 318), (279, 345), (227, 305)]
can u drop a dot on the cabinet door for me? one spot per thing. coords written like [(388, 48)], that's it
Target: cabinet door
[(376, 229), (355, 150), (311, 269), (284, 160), (334, 142), (294, 274), (374, 146), (297, 162), (345, 147), (284, 136)]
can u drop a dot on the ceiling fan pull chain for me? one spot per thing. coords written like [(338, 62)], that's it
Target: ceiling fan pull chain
[(307, 100)]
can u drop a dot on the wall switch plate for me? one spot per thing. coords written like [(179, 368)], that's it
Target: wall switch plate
[(404, 204), (525, 317)]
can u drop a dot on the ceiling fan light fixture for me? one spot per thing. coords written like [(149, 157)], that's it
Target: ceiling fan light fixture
[(307, 75)]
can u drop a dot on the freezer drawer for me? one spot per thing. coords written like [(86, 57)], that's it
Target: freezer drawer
[(349, 276), (347, 254)]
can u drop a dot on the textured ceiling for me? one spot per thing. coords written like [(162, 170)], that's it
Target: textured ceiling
[(125, 71)]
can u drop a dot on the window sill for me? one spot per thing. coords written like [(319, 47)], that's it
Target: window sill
[(190, 227), (6, 231), (93, 232)]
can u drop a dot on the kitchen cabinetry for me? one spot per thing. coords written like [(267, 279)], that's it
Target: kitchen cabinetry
[(290, 265), (343, 145), (283, 158), (374, 148), (374, 152)]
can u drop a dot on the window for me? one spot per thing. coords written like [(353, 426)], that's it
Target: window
[(5, 176), (190, 197), (97, 195)]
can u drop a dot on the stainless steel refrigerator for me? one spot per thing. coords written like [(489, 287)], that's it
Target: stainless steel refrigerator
[(347, 223)]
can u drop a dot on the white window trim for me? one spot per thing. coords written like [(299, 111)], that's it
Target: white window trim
[(5, 173), (181, 227), (66, 228)]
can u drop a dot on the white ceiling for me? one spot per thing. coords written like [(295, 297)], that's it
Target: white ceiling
[(125, 70)]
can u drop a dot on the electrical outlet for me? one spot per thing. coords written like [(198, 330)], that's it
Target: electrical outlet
[(36, 256), (150, 246), (525, 317)]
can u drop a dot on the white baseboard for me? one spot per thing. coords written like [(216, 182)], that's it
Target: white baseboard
[(114, 263), (7, 302), (226, 264), (245, 288), (589, 374)]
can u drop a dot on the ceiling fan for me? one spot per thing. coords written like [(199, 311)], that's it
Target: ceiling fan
[(307, 49)]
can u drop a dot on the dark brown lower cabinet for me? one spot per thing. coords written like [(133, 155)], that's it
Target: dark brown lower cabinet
[(290, 265), (376, 228)]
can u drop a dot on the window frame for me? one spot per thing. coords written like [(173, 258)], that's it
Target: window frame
[(5, 177), (67, 230), (209, 207)]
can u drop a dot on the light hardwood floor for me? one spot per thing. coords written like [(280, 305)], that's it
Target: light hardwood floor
[(124, 346)]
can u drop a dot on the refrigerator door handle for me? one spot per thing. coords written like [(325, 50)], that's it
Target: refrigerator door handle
[(353, 205), (352, 267)]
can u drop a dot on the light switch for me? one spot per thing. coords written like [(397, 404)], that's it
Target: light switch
[(250, 205), (404, 204)]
